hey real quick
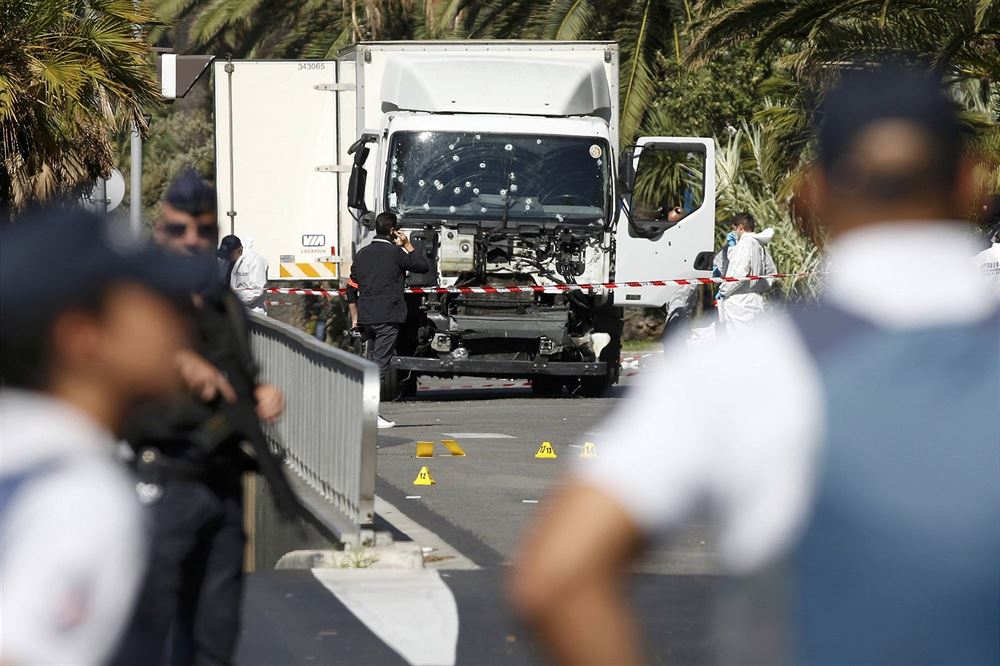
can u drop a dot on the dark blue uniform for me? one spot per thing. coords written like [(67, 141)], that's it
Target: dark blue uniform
[(193, 591)]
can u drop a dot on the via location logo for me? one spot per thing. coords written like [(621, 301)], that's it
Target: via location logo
[(313, 240)]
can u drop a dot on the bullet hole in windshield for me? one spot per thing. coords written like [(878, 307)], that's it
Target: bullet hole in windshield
[(503, 193), (475, 190), (527, 201), (468, 184), (538, 141), (421, 182), (482, 209), (439, 185), (451, 146), (426, 206), (482, 165), (513, 187), (478, 137), (451, 209), (457, 190), (400, 178), (560, 217), (454, 158), (508, 147)]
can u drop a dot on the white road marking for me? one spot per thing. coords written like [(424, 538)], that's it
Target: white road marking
[(478, 435), (448, 556), (413, 612)]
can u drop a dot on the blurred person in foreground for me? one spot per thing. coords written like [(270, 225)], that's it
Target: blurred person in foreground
[(740, 303), (190, 456), (876, 490), (249, 278), (81, 347)]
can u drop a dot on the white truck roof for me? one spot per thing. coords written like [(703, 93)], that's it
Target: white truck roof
[(535, 78)]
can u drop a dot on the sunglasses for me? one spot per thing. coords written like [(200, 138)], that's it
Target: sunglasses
[(176, 230)]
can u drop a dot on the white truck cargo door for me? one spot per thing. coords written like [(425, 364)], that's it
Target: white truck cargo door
[(276, 162), (668, 222)]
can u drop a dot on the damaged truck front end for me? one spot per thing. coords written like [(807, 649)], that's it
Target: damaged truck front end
[(507, 209)]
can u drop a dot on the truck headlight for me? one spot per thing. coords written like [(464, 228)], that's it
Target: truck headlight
[(546, 346), (441, 342)]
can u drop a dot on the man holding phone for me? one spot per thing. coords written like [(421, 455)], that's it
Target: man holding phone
[(375, 290)]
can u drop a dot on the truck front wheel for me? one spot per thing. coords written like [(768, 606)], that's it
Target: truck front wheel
[(598, 387), (546, 385), (398, 384)]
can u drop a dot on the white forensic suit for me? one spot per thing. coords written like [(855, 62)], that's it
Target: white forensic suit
[(741, 302), (249, 278), (988, 262)]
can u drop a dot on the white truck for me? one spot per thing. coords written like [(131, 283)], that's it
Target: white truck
[(502, 160)]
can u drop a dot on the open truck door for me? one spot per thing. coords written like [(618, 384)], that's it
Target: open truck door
[(655, 242), (279, 162)]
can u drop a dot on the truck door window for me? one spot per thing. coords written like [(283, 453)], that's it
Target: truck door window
[(669, 185)]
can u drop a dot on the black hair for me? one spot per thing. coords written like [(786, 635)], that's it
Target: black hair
[(385, 223), (190, 193), (866, 97), (744, 218)]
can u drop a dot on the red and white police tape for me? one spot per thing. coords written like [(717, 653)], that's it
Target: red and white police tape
[(548, 289)]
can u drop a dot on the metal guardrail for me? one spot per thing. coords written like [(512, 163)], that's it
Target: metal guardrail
[(328, 432)]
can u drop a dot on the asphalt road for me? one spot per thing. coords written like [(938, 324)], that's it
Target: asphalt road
[(476, 511), (481, 502)]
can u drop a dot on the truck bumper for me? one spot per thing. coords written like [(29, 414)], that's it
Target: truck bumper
[(498, 368)]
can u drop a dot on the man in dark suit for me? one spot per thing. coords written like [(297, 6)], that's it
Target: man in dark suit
[(375, 290)]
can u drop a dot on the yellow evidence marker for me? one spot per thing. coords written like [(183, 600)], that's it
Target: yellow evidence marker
[(546, 451), (424, 477), (589, 450), (453, 447), (425, 449)]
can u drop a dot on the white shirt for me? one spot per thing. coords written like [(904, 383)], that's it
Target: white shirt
[(72, 545), (988, 262), (249, 278), (692, 432)]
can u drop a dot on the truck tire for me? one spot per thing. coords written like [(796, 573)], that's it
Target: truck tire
[(546, 385), (398, 384), (598, 387)]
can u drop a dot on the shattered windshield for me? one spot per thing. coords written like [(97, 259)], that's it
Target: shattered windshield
[(468, 175)]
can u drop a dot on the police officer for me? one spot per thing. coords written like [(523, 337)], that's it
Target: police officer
[(80, 348), (375, 290), (190, 460)]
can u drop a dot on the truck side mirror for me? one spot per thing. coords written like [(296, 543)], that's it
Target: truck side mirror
[(359, 178), (367, 219), (626, 171)]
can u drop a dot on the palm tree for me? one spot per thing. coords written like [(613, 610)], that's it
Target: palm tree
[(813, 41), (958, 37), (72, 73)]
